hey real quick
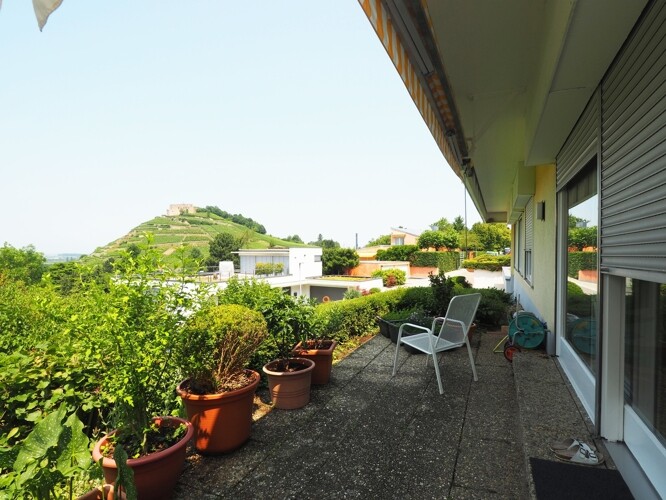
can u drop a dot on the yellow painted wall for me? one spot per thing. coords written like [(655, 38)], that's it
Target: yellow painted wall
[(542, 291)]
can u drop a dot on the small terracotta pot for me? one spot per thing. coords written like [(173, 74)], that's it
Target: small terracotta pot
[(104, 493), (323, 359), (290, 390), (222, 422), (155, 475)]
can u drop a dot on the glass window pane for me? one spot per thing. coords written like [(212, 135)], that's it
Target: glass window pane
[(645, 353), (582, 304)]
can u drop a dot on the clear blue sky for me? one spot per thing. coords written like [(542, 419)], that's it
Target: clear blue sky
[(288, 112)]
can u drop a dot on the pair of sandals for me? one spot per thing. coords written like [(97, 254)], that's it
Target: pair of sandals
[(576, 451)]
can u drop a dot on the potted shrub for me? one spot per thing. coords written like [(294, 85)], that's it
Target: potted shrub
[(321, 352), (218, 393), (314, 346), (289, 376), (139, 331)]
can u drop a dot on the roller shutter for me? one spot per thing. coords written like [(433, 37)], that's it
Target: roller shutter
[(581, 145), (633, 162)]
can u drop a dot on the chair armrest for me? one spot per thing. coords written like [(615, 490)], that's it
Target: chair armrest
[(425, 329), (412, 325)]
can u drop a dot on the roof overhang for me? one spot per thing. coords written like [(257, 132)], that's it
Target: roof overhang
[(501, 84)]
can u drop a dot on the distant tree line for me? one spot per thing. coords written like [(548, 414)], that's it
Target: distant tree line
[(454, 235), (237, 218)]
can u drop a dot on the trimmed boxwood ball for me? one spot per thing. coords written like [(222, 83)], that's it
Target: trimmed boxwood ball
[(218, 343)]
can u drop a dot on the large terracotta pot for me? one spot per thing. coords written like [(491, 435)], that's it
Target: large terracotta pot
[(155, 475), (290, 390), (222, 422), (323, 359)]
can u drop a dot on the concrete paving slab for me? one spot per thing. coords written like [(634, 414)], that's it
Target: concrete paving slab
[(492, 465)]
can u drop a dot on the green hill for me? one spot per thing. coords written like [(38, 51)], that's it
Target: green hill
[(194, 230)]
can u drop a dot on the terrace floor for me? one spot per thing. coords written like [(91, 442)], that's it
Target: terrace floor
[(370, 435)]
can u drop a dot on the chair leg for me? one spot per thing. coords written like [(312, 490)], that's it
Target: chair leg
[(395, 358), (471, 360), (439, 379)]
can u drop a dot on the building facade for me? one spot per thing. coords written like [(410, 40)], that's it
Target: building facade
[(553, 115)]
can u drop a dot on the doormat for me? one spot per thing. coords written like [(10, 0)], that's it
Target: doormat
[(558, 480)]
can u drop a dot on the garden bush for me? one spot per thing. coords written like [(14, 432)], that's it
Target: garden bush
[(578, 303), (444, 261), (289, 319), (418, 298), (397, 253), (68, 355), (487, 262), (344, 319), (390, 277), (268, 268), (494, 305), (581, 261)]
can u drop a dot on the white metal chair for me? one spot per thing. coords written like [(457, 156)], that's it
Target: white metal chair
[(452, 333)]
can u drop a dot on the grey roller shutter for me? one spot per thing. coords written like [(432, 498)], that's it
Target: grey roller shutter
[(633, 162), (581, 145)]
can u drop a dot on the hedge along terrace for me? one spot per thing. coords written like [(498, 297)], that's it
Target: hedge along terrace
[(345, 319), (581, 261), (487, 262), (444, 261)]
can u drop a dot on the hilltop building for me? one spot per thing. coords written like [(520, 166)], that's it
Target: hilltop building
[(181, 208)]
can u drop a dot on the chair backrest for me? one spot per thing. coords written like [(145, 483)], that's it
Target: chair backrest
[(461, 308)]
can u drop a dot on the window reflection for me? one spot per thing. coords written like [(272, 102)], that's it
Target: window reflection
[(582, 305)]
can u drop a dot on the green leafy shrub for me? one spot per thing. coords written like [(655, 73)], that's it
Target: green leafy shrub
[(338, 260), (268, 268), (581, 261), (573, 289), (421, 298), (579, 303), (139, 322), (352, 293), (397, 253), (52, 455), (494, 305), (444, 261), (488, 262), (391, 277), (443, 289), (289, 319), (344, 319), (218, 343)]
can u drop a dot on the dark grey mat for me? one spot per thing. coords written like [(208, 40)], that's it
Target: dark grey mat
[(557, 480)]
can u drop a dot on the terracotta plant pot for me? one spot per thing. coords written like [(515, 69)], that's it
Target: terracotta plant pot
[(323, 359), (155, 475), (222, 422), (290, 390), (103, 493)]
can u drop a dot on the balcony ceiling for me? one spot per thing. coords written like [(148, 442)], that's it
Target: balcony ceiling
[(519, 73)]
